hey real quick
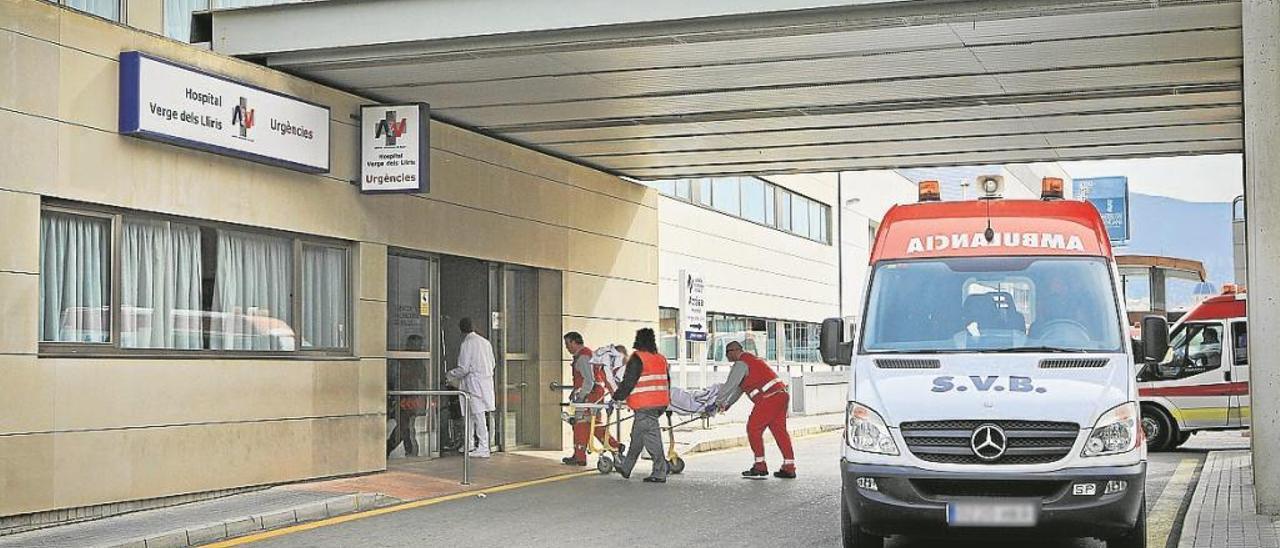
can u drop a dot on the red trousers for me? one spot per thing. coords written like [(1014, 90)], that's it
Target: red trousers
[(582, 434), (771, 413)]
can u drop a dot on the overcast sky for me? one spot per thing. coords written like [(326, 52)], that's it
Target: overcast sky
[(1190, 178)]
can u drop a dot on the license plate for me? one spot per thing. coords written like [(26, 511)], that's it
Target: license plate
[(992, 513)]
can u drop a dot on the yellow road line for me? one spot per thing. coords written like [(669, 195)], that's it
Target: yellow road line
[(389, 510), (1162, 516), (256, 537)]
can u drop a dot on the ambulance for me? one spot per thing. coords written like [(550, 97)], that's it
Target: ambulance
[(1202, 381), (993, 388)]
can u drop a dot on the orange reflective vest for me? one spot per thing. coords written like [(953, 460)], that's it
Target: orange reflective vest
[(761, 381), (653, 390)]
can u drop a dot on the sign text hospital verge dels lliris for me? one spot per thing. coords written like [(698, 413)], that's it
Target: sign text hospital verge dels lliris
[(164, 101), (394, 151), (1111, 196)]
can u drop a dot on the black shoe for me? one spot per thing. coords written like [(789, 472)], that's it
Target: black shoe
[(626, 474), (754, 472), (785, 474), (570, 461), (652, 479)]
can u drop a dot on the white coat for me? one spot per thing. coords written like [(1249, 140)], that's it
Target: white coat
[(474, 373)]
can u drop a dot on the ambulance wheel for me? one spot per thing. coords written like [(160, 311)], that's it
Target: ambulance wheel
[(853, 536), (604, 464), (1158, 428), (676, 465)]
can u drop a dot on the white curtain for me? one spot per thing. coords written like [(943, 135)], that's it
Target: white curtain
[(177, 17), (324, 297), (109, 9), (160, 285), (251, 301), (74, 295)]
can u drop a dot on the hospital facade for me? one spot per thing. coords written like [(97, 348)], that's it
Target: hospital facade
[(181, 323)]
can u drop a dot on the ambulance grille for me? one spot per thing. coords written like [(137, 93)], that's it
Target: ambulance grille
[(908, 364), (1029, 442), (1073, 364)]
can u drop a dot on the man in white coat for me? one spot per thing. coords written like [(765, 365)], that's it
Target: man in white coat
[(474, 375)]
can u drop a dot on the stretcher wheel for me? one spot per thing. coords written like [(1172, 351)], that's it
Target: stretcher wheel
[(604, 464), (676, 465)]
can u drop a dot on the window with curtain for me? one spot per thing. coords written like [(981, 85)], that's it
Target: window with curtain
[(74, 294), (109, 9), (325, 297), (160, 289), (177, 17), (251, 294)]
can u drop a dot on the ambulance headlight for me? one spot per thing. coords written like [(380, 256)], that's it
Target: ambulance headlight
[(1116, 432), (866, 431)]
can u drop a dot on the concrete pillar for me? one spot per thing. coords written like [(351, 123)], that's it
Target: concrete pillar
[(1262, 194)]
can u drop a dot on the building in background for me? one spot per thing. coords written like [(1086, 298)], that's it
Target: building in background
[(779, 254)]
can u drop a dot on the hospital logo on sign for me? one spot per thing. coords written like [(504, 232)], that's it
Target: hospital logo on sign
[(242, 117), (390, 129), (1027, 240)]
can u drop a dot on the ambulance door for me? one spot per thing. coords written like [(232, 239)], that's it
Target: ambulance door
[(1240, 410), (1193, 378)]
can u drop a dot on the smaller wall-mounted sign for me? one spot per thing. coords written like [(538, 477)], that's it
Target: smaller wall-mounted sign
[(163, 101), (395, 148), (693, 306)]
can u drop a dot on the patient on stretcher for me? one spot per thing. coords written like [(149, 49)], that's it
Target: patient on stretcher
[(693, 402)]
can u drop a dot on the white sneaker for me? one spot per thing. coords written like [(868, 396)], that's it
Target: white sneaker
[(478, 455)]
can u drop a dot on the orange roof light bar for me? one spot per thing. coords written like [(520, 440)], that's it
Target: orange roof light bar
[(1051, 188), (930, 191)]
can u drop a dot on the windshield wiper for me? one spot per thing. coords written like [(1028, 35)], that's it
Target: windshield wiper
[(1044, 349)]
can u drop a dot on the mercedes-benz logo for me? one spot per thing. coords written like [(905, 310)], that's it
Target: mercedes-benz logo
[(989, 442)]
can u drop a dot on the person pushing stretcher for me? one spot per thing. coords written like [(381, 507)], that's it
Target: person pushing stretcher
[(754, 377)]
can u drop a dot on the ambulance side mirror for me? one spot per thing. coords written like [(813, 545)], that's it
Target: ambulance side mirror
[(835, 351), (1155, 338)]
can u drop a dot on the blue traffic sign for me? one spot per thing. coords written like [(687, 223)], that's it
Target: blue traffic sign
[(1111, 196)]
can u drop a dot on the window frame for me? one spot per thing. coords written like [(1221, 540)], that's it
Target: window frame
[(122, 7), (112, 349), (778, 201)]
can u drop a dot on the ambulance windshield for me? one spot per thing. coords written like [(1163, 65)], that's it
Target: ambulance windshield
[(992, 304)]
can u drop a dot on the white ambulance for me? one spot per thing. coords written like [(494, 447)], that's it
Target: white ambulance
[(1202, 381), (992, 387)]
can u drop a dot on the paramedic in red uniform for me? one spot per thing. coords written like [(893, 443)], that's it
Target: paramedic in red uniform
[(587, 388), (754, 377), (646, 386)]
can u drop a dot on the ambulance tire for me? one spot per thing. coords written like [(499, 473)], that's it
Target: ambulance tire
[(852, 536), (1158, 429), (676, 465), (1137, 537)]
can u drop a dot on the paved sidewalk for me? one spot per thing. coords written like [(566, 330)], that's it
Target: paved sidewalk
[(1221, 514), (405, 480)]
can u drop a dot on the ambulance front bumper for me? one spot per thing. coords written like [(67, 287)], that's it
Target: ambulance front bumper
[(914, 501)]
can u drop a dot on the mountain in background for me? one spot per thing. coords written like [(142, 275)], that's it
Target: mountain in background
[(1199, 231)]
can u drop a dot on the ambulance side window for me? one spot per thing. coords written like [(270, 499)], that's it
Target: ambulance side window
[(1240, 338), (1196, 348)]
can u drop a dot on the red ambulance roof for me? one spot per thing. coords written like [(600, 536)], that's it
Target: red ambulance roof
[(1022, 227), (1225, 306)]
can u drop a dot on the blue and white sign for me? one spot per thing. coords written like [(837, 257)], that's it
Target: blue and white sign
[(163, 101), (1111, 196), (693, 306)]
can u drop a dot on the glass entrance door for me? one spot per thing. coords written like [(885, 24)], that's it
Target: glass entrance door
[(413, 422), (518, 317)]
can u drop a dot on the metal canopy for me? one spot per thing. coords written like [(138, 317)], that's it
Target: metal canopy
[(668, 89)]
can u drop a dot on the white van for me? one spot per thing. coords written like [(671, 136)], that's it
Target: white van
[(993, 386), (1202, 382)]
